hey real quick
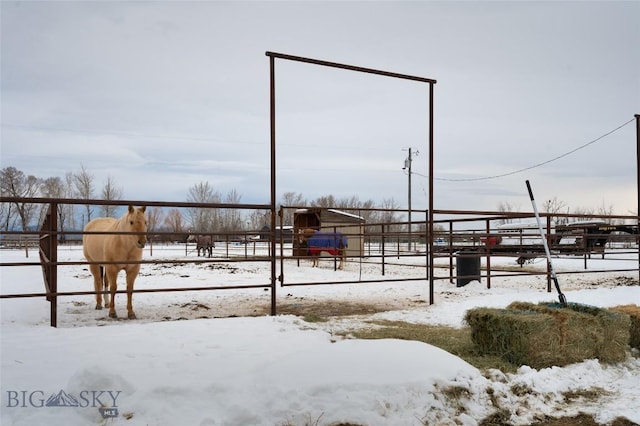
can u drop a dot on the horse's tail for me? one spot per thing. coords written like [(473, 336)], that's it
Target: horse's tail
[(344, 241), (103, 280)]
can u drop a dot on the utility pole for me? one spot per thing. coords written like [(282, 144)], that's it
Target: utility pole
[(407, 167)]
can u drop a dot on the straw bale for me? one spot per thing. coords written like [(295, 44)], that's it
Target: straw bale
[(612, 339), (548, 334), (616, 328), (517, 336), (634, 316)]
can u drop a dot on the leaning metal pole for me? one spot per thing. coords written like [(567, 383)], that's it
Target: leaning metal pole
[(562, 298)]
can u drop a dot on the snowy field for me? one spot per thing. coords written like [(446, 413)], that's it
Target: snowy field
[(217, 358)]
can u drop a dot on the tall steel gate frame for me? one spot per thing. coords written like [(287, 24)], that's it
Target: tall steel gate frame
[(272, 93)]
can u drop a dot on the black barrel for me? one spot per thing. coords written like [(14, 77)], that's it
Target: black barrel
[(467, 267)]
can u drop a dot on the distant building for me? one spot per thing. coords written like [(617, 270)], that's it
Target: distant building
[(330, 220)]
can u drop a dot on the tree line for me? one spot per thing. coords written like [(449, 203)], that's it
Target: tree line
[(555, 206), (81, 184)]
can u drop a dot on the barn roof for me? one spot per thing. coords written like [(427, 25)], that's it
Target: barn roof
[(332, 211)]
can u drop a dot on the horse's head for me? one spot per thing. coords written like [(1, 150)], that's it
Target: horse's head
[(135, 221), (305, 234)]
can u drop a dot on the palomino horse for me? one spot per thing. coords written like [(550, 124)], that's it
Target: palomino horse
[(204, 243), (123, 245), (316, 242)]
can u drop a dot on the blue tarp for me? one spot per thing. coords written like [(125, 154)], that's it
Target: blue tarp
[(327, 240)]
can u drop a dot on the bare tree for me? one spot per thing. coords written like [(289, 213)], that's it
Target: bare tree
[(607, 211), (354, 206), (9, 213), (110, 191), (14, 183), (5, 215), (154, 218), (327, 201), (345, 203), (555, 206), (174, 223), (290, 199), (505, 207), (389, 204), (585, 212), (258, 219), (203, 219), (230, 219), (69, 209), (84, 188), (54, 187)]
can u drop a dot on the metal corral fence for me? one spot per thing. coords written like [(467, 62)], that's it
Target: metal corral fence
[(467, 236), (464, 234), (50, 233), (378, 237), (375, 236)]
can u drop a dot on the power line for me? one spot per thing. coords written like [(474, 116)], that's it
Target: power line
[(535, 165)]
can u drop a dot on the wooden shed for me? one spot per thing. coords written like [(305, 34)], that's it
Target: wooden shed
[(330, 220)]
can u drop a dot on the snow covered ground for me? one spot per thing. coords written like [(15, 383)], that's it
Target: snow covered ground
[(232, 364)]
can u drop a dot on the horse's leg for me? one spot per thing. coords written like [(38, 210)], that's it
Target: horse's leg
[(111, 276), (96, 271), (131, 277), (105, 287)]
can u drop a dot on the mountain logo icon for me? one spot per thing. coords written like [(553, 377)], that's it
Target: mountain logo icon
[(62, 399)]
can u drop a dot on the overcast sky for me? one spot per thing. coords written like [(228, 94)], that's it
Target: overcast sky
[(164, 95)]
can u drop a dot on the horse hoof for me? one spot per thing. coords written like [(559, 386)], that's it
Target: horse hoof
[(132, 316), (98, 307), (113, 315)]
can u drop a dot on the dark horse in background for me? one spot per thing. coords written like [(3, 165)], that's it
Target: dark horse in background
[(316, 242), (204, 243)]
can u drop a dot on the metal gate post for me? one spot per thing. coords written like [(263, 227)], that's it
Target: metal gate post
[(49, 259), (272, 118), (488, 259), (383, 244), (637, 116)]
